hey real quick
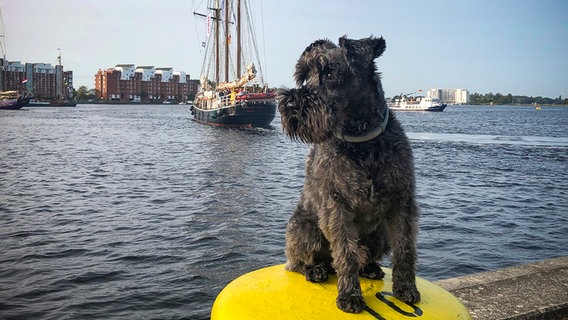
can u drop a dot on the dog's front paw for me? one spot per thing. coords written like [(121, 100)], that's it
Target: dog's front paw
[(372, 271), (406, 291), (317, 273), (351, 303)]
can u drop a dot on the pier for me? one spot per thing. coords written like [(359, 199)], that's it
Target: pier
[(536, 291)]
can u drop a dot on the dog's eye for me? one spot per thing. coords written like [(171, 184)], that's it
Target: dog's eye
[(328, 73), (331, 77)]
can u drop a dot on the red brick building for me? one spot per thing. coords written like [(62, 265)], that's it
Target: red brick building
[(42, 80), (127, 83)]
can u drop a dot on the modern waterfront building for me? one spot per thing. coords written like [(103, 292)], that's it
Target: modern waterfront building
[(128, 83), (450, 96), (42, 80)]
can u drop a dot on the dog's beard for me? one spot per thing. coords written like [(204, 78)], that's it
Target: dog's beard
[(306, 116)]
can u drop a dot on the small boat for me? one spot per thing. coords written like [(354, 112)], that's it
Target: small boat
[(12, 100), (62, 103), (52, 103), (227, 96), (417, 104), (38, 103)]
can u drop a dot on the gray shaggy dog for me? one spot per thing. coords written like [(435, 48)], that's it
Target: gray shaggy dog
[(358, 200)]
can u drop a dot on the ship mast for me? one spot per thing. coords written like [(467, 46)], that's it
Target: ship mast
[(2, 49), (227, 37), (226, 41), (217, 53), (2, 40), (217, 41), (238, 38)]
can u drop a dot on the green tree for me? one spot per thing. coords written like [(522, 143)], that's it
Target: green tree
[(82, 93), (91, 94)]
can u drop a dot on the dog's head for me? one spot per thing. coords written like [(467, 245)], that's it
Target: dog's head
[(338, 88), (344, 69)]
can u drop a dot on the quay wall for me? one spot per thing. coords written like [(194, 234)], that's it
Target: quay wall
[(536, 291)]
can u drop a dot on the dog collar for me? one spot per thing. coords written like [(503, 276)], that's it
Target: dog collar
[(369, 136)]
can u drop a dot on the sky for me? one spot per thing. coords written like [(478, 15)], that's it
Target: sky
[(499, 46)]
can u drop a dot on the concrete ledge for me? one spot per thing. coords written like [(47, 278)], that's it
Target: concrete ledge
[(531, 291)]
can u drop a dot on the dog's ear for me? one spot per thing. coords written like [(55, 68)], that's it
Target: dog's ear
[(346, 43), (379, 45), (367, 46), (309, 54), (301, 72)]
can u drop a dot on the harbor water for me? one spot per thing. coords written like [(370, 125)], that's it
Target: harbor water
[(138, 212)]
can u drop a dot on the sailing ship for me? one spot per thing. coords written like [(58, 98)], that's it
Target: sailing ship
[(12, 100), (232, 91)]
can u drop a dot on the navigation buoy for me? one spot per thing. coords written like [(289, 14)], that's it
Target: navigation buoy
[(275, 293)]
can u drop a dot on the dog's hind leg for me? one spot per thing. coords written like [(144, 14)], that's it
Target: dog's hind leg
[(402, 233), (307, 250)]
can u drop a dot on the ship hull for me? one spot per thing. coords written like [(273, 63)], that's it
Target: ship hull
[(13, 104), (438, 108), (241, 114), (65, 103)]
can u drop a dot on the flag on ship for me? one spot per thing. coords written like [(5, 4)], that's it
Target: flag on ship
[(208, 26), (25, 81)]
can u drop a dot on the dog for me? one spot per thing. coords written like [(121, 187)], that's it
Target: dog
[(358, 199)]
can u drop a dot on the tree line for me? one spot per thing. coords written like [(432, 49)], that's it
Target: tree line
[(500, 99), (84, 94)]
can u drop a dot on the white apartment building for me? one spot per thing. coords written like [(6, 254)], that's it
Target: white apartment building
[(450, 96), (167, 73), (147, 72), (126, 71), (15, 66), (182, 76), (43, 68)]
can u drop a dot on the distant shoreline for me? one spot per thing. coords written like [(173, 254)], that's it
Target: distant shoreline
[(173, 103)]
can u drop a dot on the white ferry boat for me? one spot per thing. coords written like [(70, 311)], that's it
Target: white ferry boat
[(417, 104)]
